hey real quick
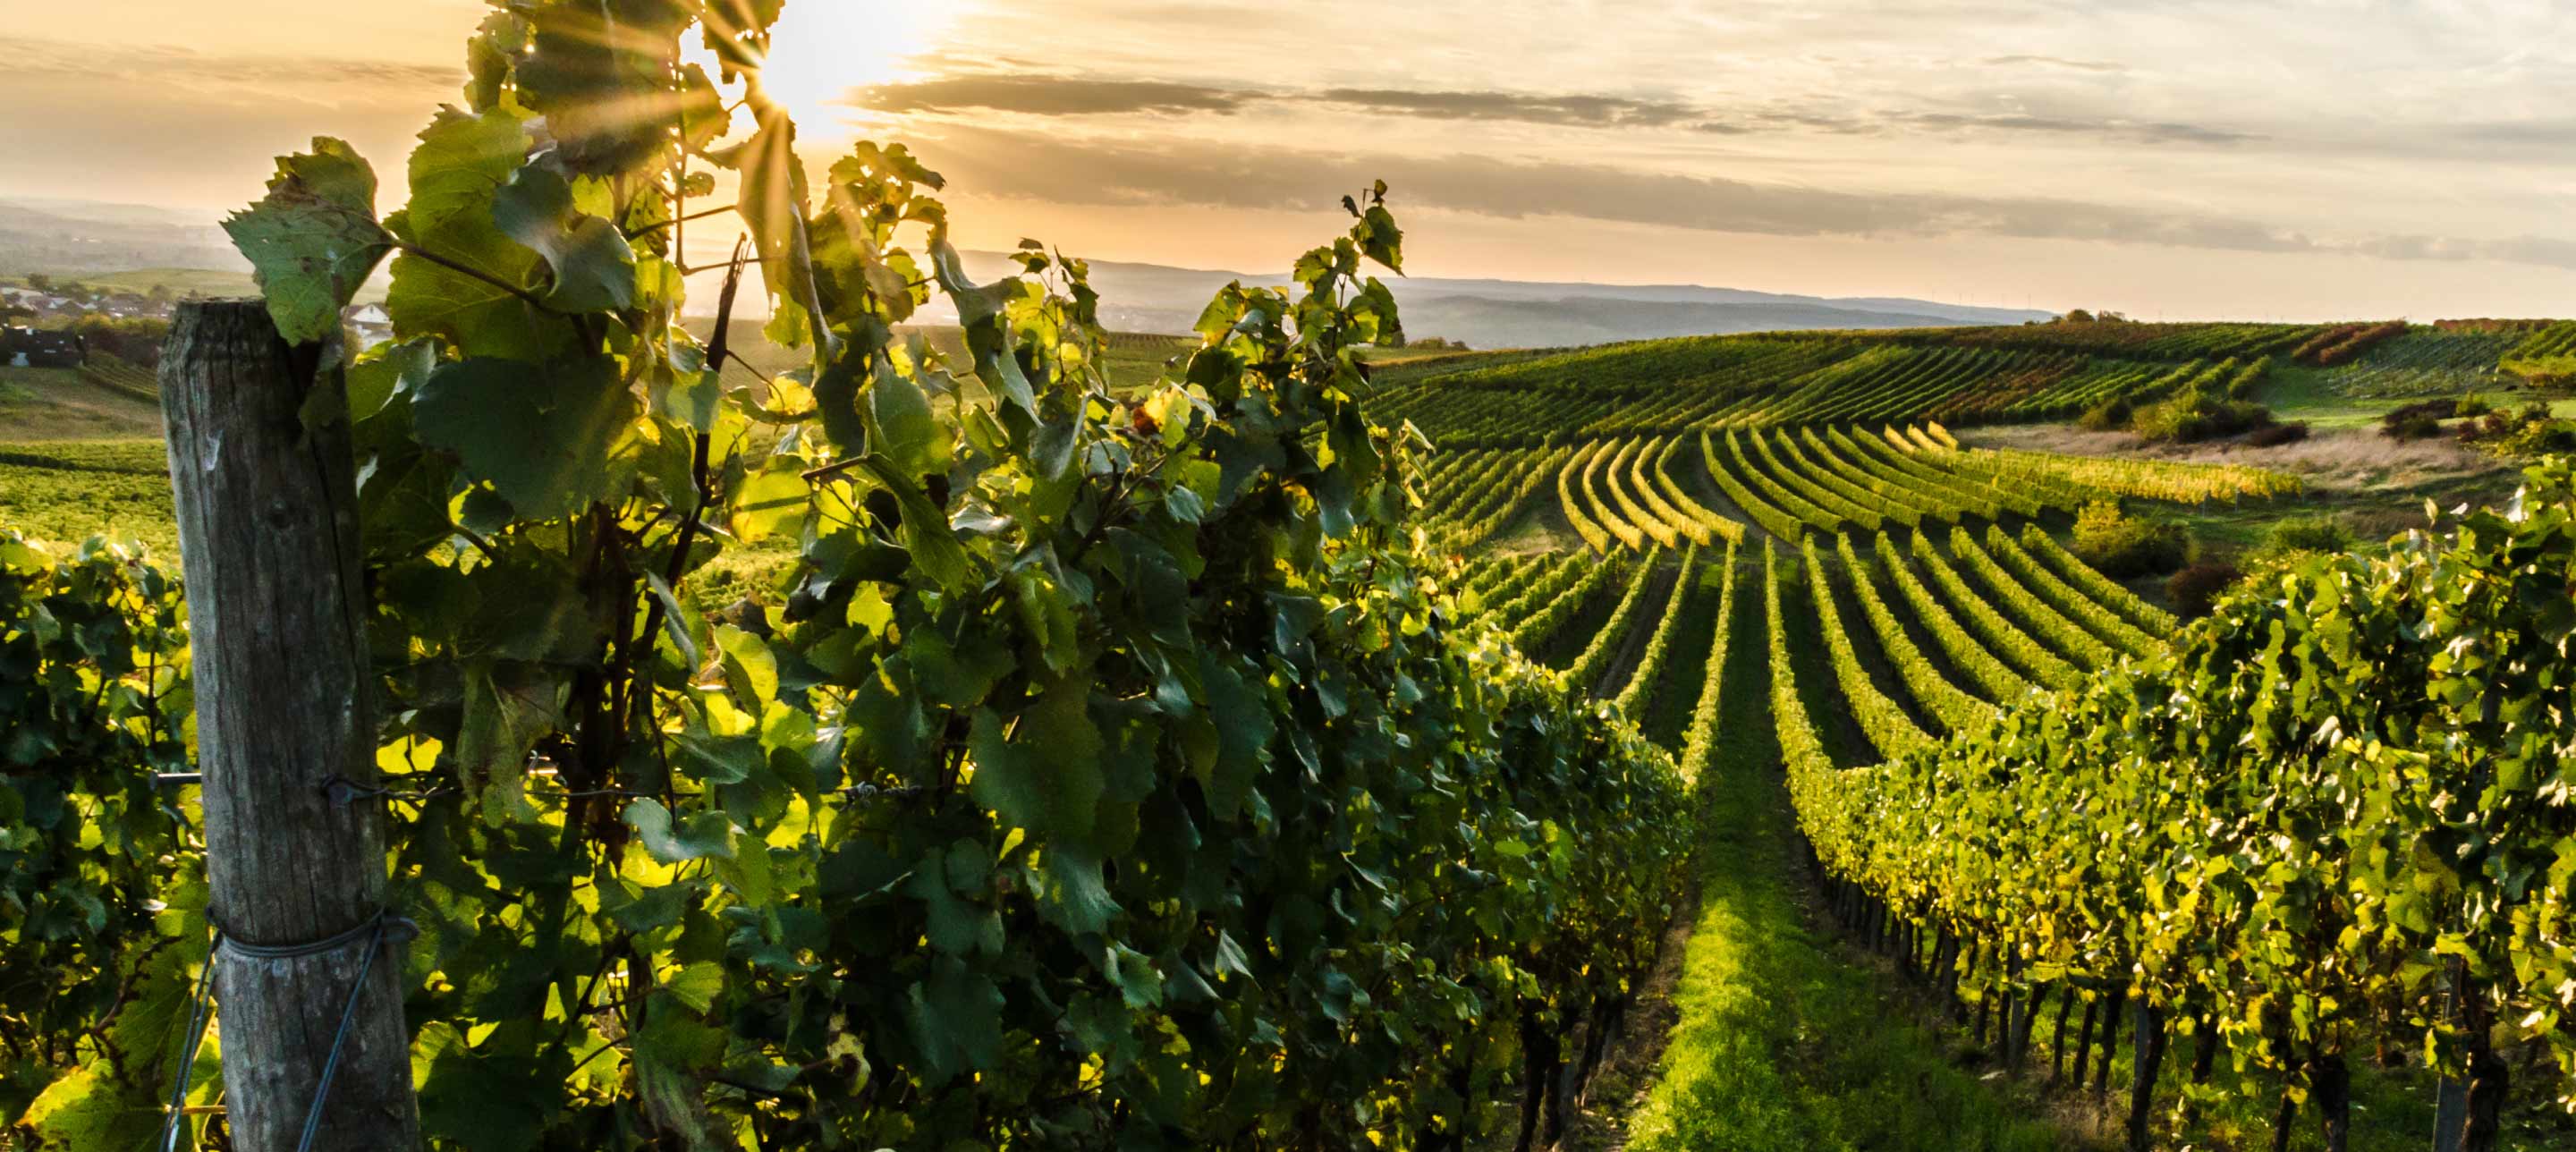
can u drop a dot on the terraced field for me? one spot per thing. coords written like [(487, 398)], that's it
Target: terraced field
[(1957, 376), (1890, 582)]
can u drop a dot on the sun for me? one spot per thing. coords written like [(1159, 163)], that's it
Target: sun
[(821, 49)]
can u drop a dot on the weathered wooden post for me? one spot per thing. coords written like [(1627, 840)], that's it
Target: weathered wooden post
[(306, 968)]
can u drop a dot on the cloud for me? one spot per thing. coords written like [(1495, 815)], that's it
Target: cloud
[(1059, 95), (1897, 122), (1587, 111), (2133, 131), (185, 67), (1183, 172), (1042, 95), (2056, 62), (1075, 96)]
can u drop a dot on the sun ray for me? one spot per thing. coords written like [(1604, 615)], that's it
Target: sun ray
[(825, 48)]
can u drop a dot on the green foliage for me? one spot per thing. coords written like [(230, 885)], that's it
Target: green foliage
[(2197, 587), (2275, 435), (2527, 434), (2032, 610), (2108, 416), (1637, 697), (132, 339), (1931, 691), (2323, 532), (2536, 438), (1882, 719), (1993, 629), (2338, 803), (1784, 1043), (2061, 598), (1100, 771), (2198, 414), (67, 490), (2418, 421), (93, 867), (1585, 673), (2546, 357), (314, 239), (1966, 652), (2120, 545), (1580, 583), (2037, 544)]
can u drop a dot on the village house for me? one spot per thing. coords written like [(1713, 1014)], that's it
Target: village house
[(370, 324)]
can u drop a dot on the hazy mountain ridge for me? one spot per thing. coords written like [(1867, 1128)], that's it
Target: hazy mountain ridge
[(69, 237), (1490, 313)]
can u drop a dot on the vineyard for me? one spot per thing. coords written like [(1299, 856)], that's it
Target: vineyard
[(1980, 751), (849, 732), (1984, 375)]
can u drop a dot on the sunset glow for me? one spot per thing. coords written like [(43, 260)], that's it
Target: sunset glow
[(823, 51)]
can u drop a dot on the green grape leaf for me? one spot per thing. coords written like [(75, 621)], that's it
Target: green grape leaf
[(702, 835), (1379, 238), (749, 667), (90, 1108), (487, 1102), (690, 394), (720, 759), (955, 1021), (672, 1096), (394, 369), (904, 431), (979, 311), (459, 284), (933, 544), (1044, 774), (580, 68), (1075, 893), (1244, 725), (696, 985), (768, 502), (593, 266), (313, 240), (1133, 973), (501, 724), (773, 203), (539, 435)]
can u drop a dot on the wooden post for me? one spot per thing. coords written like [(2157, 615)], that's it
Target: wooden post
[(268, 536)]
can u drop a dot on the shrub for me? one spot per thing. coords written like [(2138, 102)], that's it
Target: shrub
[(2120, 545), (2108, 416), (134, 339), (2416, 427), (2471, 405), (2198, 414), (2279, 434), (2194, 589), (2418, 421), (2325, 532), (2539, 438)]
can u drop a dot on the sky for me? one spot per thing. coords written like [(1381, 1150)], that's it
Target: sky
[(2172, 160)]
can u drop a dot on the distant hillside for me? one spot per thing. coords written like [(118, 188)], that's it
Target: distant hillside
[(80, 239), (1526, 314)]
